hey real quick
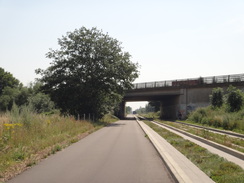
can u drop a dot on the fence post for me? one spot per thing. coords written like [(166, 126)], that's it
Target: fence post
[(84, 117)]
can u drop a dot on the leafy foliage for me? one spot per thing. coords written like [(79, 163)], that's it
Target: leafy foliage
[(14, 93), (7, 80), (155, 104), (128, 110), (41, 103), (8, 97), (216, 98), (89, 72), (234, 99), (227, 114)]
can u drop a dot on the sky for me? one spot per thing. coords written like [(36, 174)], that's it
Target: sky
[(169, 39)]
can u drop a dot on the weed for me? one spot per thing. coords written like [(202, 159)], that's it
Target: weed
[(226, 168), (18, 156), (30, 163), (73, 140), (56, 148)]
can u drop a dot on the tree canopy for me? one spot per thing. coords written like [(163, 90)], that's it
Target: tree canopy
[(217, 97), (7, 80), (88, 73), (234, 99), (12, 92)]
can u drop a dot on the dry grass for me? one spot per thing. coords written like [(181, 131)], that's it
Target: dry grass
[(27, 137)]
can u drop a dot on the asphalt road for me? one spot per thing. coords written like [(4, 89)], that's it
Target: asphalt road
[(119, 153)]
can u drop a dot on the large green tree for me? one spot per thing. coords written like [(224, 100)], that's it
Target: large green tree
[(7, 80), (89, 72)]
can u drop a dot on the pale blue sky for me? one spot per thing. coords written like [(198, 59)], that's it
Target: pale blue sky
[(170, 39)]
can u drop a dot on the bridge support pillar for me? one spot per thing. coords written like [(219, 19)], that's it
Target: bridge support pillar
[(169, 108), (121, 114), (183, 100)]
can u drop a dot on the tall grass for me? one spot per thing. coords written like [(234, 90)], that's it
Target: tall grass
[(219, 118), (23, 133)]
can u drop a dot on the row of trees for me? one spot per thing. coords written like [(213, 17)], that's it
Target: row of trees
[(13, 92), (233, 99), (88, 74)]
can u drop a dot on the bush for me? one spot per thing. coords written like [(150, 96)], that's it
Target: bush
[(217, 121), (198, 115), (216, 99), (234, 99), (228, 115), (41, 103), (219, 118)]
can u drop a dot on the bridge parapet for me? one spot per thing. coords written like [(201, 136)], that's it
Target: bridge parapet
[(224, 79)]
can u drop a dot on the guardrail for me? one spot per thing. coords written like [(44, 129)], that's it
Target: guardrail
[(191, 82)]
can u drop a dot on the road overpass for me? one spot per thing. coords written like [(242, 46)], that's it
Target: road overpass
[(182, 95)]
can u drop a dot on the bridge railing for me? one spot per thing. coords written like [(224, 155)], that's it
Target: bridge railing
[(191, 82)]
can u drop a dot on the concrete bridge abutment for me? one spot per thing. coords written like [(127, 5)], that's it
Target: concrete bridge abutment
[(121, 113), (169, 107)]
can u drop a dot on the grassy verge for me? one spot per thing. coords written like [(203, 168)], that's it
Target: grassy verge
[(215, 167), (231, 142), (26, 137)]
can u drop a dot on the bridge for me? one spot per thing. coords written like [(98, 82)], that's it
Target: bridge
[(180, 96)]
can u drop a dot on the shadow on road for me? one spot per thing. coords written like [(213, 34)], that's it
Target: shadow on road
[(115, 124), (129, 118)]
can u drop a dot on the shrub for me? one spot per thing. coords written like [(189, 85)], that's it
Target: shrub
[(216, 99), (205, 120), (41, 103), (226, 122), (198, 115), (219, 118), (234, 99)]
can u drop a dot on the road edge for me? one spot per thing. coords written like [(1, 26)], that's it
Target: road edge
[(191, 173)]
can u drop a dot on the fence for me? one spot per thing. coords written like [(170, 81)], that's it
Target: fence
[(86, 117), (191, 82)]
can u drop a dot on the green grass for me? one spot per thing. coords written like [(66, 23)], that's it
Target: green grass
[(26, 137), (152, 115), (215, 167), (219, 118), (231, 142), (215, 118)]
